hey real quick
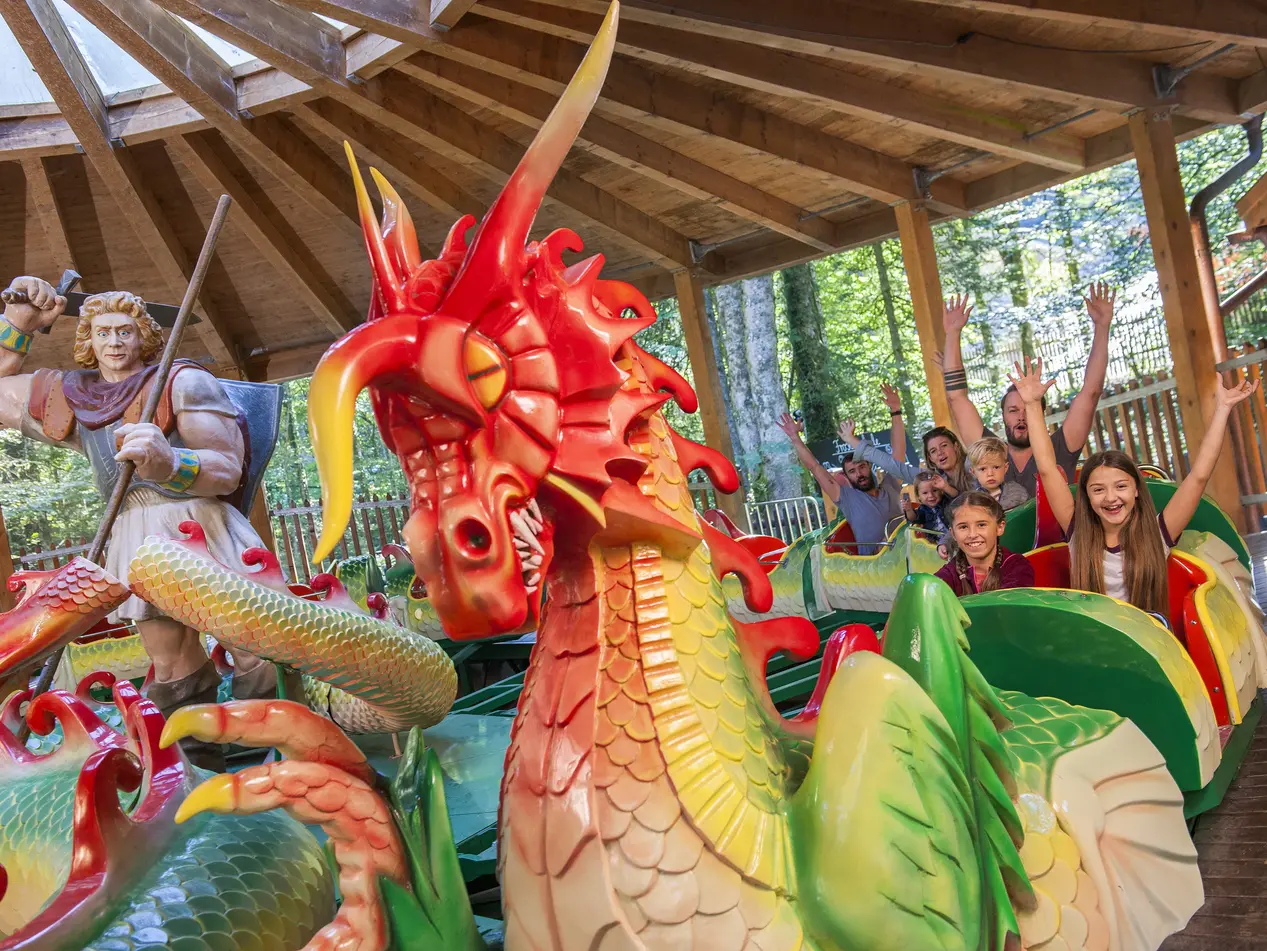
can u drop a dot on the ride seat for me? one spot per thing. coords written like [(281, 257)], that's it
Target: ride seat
[(1184, 577), (842, 540)]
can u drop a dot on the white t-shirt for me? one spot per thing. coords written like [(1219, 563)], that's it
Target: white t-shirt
[(1115, 563)]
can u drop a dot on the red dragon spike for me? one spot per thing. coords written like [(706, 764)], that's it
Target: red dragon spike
[(399, 233), (386, 277), (499, 244)]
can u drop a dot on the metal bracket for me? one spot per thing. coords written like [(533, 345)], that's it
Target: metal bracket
[(924, 178), (1166, 79), (698, 251)]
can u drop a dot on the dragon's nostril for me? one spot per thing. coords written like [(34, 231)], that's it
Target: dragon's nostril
[(473, 537)]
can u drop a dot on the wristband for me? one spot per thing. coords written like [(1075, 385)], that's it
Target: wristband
[(14, 340), (186, 471), (895, 412), (955, 380)]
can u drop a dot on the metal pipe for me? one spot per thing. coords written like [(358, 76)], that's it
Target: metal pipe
[(1243, 293), (1201, 232)]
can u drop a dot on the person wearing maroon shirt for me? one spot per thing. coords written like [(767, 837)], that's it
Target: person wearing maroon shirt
[(979, 562)]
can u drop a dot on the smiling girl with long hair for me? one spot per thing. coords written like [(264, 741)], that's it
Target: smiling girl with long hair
[(1118, 544)]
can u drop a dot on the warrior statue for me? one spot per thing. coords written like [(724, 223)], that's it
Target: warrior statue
[(193, 462)]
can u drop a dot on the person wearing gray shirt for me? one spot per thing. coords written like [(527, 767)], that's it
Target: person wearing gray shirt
[(867, 500)]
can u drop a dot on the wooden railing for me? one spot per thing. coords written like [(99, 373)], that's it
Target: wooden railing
[(375, 522), (1141, 420)]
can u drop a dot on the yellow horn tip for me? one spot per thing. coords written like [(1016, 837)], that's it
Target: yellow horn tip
[(385, 187), (187, 721), (215, 795)]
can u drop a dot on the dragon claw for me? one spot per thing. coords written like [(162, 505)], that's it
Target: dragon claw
[(218, 794), (202, 721)]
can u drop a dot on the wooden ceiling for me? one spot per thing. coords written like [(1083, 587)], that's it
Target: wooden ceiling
[(733, 136)]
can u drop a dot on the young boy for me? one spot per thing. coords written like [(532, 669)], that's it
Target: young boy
[(988, 460), (930, 514)]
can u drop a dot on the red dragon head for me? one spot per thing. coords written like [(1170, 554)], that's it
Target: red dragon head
[(501, 378)]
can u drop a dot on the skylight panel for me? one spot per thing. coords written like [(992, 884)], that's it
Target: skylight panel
[(19, 83), (114, 70)]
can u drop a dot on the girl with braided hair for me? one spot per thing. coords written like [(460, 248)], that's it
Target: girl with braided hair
[(979, 562)]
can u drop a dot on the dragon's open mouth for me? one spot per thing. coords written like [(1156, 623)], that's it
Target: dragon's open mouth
[(525, 525)]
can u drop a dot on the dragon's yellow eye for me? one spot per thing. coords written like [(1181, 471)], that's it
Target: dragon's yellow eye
[(486, 369)]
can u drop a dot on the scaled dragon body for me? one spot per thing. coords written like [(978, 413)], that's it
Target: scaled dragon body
[(653, 797)]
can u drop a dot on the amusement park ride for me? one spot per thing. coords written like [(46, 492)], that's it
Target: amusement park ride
[(1014, 770)]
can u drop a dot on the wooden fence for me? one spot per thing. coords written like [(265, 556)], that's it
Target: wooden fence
[(1141, 420), (375, 522)]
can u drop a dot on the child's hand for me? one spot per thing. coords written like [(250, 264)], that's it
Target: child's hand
[(939, 360), (939, 482), (1029, 382), (1100, 299), (892, 398), (791, 426), (943, 553), (955, 313), (848, 432), (1229, 396)]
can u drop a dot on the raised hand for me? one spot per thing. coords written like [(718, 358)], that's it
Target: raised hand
[(1100, 298), (955, 313), (43, 307), (791, 426), (848, 432), (892, 398), (1029, 381), (939, 360), (1229, 396), (939, 482)]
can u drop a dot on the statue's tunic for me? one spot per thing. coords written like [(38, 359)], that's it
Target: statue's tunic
[(81, 411)]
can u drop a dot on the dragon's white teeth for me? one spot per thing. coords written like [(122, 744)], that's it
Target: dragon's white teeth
[(535, 509), (523, 530), (533, 579)]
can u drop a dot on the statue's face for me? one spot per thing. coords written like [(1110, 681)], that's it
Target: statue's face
[(116, 341)]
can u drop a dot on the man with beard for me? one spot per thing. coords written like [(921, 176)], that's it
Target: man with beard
[(1072, 435), (867, 503)]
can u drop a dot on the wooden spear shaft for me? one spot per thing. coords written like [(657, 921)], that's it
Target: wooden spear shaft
[(150, 410)]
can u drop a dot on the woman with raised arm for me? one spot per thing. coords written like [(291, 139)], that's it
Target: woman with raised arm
[(1118, 543)]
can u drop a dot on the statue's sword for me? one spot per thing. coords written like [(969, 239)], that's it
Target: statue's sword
[(126, 470)]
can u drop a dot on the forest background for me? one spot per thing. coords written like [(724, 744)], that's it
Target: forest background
[(821, 338)]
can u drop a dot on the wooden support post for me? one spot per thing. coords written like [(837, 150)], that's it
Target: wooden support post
[(712, 409), (260, 520), (6, 566), (919, 257), (1191, 345)]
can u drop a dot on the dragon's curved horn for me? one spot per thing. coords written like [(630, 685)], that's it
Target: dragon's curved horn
[(367, 353), (386, 276), (398, 227), (500, 241)]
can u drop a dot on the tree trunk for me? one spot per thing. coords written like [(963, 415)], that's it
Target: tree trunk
[(1014, 269), (895, 336), (781, 472), (809, 352), (747, 438), (1064, 221), (710, 311)]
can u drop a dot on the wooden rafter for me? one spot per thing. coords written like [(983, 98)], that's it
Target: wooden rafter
[(13, 207), (330, 184), (296, 42), (778, 49), (490, 43), (395, 155), (615, 142), (50, 210), (164, 40), (1233, 21), (661, 99), (45, 39), (402, 20), (446, 13), (210, 157)]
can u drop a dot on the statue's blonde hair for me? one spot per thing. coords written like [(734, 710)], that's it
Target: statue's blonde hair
[(116, 302)]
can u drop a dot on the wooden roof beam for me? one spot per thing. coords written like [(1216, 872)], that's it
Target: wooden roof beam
[(616, 143), (295, 42), (1232, 21), (402, 20), (211, 159), (792, 30), (396, 156), (45, 40), (544, 50), (329, 183), (50, 210), (446, 13), (164, 40), (633, 92)]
